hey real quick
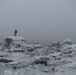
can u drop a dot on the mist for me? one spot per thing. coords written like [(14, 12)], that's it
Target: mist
[(38, 20)]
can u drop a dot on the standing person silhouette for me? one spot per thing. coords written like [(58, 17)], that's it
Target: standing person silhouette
[(15, 33)]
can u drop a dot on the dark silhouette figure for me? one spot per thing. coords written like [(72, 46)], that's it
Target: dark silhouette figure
[(15, 33)]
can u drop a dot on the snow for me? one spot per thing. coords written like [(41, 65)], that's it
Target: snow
[(17, 38), (39, 59)]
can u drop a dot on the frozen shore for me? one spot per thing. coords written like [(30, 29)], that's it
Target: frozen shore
[(38, 59)]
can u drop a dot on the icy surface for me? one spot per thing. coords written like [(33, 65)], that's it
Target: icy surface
[(59, 58), (15, 38)]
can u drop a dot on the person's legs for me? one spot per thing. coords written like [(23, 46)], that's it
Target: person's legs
[(15, 34)]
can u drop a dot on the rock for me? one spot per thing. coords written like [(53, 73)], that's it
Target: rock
[(68, 41), (5, 60)]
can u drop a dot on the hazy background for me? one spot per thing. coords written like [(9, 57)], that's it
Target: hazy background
[(38, 20)]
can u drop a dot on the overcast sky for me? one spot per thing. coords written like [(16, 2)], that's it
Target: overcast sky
[(38, 20)]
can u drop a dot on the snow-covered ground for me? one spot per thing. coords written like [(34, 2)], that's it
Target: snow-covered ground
[(59, 58)]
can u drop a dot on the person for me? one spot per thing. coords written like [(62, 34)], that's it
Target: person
[(15, 33)]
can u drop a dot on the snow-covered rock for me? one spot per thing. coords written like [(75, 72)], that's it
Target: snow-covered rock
[(17, 38), (38, 57), (11, 40), (68, 41)]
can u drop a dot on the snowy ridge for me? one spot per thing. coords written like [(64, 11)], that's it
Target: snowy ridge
[(15, 38), (38, 59)]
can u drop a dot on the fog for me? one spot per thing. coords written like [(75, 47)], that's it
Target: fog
[(38, 20)]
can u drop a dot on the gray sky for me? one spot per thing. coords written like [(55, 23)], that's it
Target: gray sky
[(38, 20)]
